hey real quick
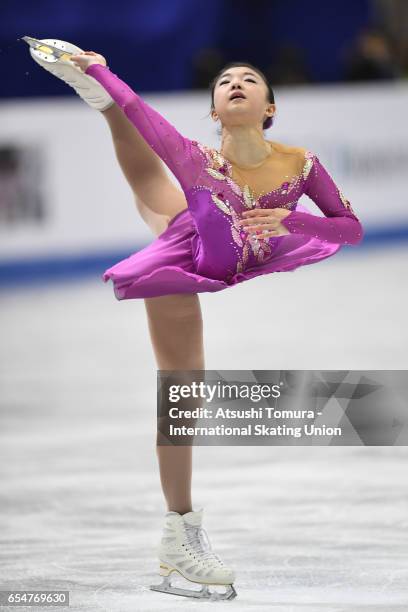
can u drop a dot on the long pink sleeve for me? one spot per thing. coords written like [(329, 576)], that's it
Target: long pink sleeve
[(178, 153), (340, 225)]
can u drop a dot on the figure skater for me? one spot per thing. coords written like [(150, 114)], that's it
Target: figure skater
[(236, 217)]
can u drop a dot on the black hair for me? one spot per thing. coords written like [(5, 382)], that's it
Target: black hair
[(269, 120)]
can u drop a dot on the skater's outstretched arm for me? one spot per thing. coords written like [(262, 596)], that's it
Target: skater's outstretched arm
[(340, 225), (179, 153)]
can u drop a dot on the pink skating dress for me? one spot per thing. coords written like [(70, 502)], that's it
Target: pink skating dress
[(204, 249)]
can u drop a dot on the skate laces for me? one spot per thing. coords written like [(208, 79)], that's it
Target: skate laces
[(199, 541)]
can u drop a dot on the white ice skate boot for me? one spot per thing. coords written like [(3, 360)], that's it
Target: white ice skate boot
[(85, 86), (186, 550)]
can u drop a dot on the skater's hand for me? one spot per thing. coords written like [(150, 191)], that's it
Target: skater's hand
[(87, 58), (266, 220)]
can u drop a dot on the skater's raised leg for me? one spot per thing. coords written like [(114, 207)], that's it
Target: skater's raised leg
[(157, 198)]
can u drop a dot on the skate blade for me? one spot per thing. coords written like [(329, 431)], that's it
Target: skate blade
[(203, 593), (48, 49)]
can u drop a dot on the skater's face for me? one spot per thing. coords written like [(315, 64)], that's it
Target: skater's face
[(241, 98)]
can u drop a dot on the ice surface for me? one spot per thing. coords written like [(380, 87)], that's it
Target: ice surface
[(305, 528)]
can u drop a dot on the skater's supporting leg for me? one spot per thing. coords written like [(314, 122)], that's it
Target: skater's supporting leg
[(176, 330), (157, 198)]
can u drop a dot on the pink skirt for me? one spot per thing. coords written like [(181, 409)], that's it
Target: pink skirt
[(166, 266)]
